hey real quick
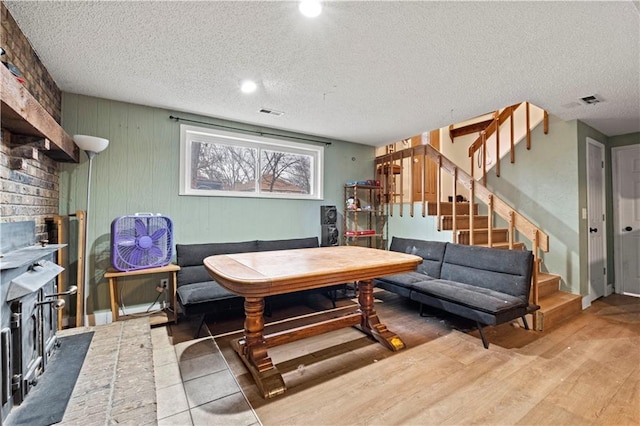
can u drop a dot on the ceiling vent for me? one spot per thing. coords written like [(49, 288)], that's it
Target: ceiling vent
[(591, 100), (271, 112)]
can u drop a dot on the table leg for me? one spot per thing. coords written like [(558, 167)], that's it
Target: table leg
[(115, 307), (370, 323), (252, 349), (174, 301)]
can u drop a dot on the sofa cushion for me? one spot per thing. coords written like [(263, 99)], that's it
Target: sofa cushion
[(479, 298), (400, 284), (405, 279), (294, 243), (504, 271), (431, 251), (202, 292)]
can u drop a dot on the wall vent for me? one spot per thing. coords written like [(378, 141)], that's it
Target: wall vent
[(271, 112)]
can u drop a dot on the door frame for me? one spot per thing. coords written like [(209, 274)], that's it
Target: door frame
[(615, 197), (600, 145)]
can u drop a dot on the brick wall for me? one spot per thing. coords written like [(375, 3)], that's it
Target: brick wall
[(29, 192)]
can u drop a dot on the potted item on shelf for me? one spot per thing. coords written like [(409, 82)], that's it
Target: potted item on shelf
[(353, 203)]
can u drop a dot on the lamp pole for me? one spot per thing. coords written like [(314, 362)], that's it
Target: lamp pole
[(92, 145)]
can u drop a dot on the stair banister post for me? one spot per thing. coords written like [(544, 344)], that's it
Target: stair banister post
[(534, 249), (534, 275), (438, 194), (484, 157), (454, 205), (390, 191), (490, 220), (401, 185), (511, 228), (473, 166), (422, 177), (528, 126), (472, 196), (412, 161), (512, 150), (497, 144)]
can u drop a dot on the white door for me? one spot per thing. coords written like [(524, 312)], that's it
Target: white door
[(596, 224), (626, 209)]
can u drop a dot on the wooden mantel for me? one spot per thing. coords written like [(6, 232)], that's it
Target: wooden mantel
[(24, 117)]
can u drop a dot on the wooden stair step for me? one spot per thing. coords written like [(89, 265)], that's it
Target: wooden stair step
[(556, 308), (446, 208), (462, 222), (547, 284), (481, 236)]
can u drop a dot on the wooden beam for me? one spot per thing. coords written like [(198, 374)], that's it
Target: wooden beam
[(22, 114), (470, 128), (493, 126)]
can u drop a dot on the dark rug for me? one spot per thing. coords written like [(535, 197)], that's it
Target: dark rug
[(47, 401)]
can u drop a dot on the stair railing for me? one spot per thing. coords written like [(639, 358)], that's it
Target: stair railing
[(477, 192), (493, 127)]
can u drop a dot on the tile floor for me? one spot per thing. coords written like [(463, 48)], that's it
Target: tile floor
[(194, 385)]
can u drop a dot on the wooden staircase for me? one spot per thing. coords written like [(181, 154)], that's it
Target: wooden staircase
[(427, 167), (555, 305)]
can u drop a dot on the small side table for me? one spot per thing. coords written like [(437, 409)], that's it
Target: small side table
[(112, 275)]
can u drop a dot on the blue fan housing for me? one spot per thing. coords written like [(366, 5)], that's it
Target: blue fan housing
[(141, 241)]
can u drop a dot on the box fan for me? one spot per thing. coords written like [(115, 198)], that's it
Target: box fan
[(141, 241)]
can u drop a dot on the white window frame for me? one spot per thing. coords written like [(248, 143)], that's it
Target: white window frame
[(189, 134)]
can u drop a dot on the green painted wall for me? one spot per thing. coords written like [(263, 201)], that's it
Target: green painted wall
[(422, 228), (138, 172), (543, 184), (554, 199), (624, 140)]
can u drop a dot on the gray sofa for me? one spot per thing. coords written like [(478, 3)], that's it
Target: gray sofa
[(198, 293), (489, 286)]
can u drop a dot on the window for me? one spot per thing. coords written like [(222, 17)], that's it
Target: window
[(218, 163)]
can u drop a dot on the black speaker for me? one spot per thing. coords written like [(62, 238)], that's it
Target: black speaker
[(328, 215), (329, 236)]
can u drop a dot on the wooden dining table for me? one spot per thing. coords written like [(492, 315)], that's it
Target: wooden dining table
[(257, 275)]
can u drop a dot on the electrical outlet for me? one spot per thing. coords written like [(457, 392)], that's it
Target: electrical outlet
[(164, 283)]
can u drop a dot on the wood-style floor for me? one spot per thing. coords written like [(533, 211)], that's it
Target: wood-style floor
[(586, 371)]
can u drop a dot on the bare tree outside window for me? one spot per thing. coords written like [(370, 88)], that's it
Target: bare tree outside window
[(223, 167), (285, 172)]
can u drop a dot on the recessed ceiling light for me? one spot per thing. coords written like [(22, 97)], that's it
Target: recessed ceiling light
[(248, 86), (310, 8)]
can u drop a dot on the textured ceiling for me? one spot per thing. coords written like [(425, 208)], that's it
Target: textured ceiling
[(368, 72)]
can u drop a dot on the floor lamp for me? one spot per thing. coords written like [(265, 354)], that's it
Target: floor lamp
[(93, 146)]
